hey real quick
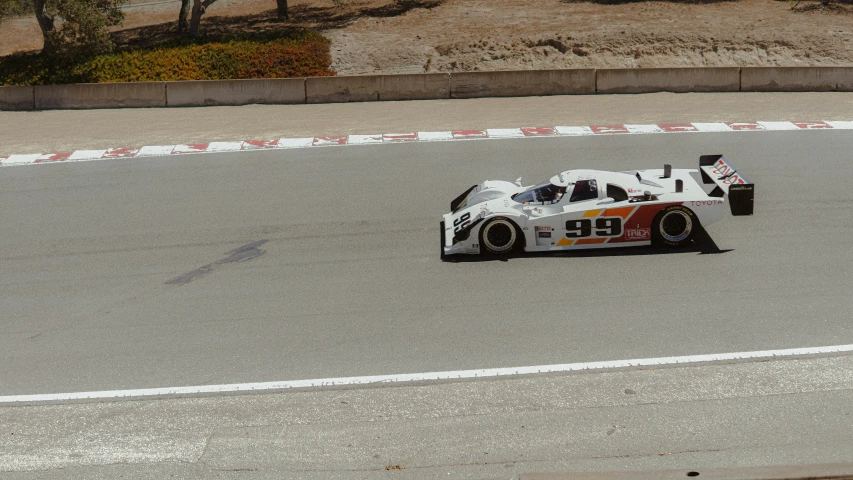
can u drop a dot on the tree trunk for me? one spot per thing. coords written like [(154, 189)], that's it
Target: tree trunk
[(183, 22), (282, 9), (196, 20), (199, 8), (48, 29)]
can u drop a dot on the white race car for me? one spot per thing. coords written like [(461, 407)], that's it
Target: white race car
[(580, 209)]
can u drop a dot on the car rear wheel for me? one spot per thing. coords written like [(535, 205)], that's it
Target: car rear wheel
[(675, 226), (499, 236)]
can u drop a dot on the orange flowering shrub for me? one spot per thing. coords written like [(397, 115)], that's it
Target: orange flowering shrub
[(304, 56)]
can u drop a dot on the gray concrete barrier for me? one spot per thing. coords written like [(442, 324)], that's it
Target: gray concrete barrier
[(101, 95), (427, 86), (521, 83), (235, 92), (17, 98), (796, 79), (689, 79), (377, 87)]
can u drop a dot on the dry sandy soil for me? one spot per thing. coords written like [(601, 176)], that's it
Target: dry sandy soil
[(378, 36)]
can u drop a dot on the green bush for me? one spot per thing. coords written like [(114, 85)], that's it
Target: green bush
[(306, 55)]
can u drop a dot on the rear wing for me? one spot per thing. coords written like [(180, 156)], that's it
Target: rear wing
[(716, 169)]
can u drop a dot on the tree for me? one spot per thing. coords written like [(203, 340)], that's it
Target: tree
[(83, 24), (14, 8), (199, 7), (183, 23)]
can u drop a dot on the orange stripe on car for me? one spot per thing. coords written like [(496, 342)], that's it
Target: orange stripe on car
[(590, 241), (565, 242), (623, 212), (591, 213)]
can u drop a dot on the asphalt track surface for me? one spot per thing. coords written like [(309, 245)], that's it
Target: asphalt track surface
[(348, 282)]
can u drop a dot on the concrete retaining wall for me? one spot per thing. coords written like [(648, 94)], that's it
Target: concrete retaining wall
[(235, 92), (101, 95), (17, 98), (426, 86), (522, 83), (796, 79), (377, 87), (644, 80)]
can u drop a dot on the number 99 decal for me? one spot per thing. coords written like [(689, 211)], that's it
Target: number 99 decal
[(604, 227), (461, 222)]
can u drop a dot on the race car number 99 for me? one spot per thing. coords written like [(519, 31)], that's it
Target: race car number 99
[(605, 227), (461, 222)]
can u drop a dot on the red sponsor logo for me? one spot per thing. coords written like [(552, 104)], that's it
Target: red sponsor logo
[(678, 127), (745, 125), (532, 132), (702, 203), (811, 125), (609, 129), (400, 137), (723, 169), (638, 234), (469, 134)]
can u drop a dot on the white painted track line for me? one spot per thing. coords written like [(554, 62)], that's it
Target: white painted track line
[(418, 377), (295, 142), (156, 150), (573, 130), (86, 155), (25, 159), (712, 127), (504, 132), (434, 136)]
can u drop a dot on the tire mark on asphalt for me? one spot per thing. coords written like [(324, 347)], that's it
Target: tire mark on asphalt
[(241, 254)]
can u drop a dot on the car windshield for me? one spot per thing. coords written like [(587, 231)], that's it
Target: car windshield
[(544, 193)]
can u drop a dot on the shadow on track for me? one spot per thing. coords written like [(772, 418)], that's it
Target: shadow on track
[(701, 244)]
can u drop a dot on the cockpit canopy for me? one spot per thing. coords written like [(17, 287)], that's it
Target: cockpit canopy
[(544, 194)]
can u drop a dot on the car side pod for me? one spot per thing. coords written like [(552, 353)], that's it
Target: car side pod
[(716, 169)]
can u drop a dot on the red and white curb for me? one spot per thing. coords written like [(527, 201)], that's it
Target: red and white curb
[(384, 138)]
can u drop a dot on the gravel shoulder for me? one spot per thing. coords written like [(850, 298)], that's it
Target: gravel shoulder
[(689, 418), (378, 36)]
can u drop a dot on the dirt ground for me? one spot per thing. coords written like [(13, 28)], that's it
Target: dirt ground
[(381, 36)]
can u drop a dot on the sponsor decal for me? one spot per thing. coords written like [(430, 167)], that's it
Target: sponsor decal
[(544, 234), (723, 169), (702, 203), (632, 234), (543, 229)]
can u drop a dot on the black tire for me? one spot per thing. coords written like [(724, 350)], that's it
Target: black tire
[(674, 226), (500, 236)]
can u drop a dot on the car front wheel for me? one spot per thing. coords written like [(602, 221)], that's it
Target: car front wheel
[(499, 236)]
